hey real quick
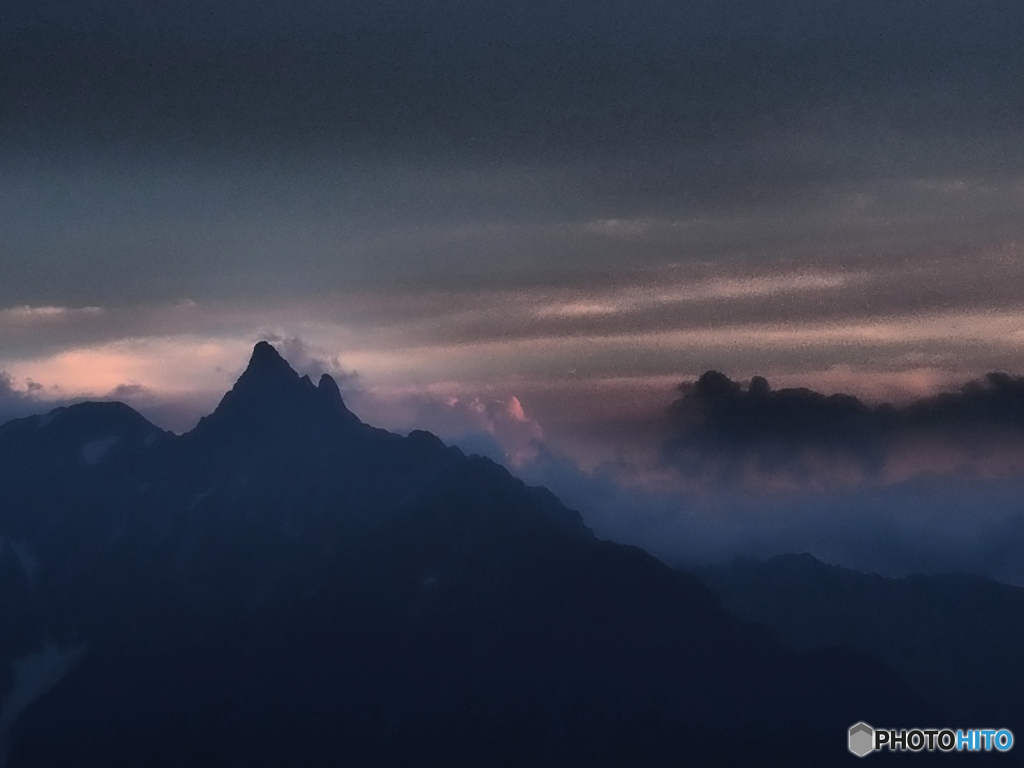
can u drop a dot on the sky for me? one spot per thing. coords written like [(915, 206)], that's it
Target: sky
[(524, 224)]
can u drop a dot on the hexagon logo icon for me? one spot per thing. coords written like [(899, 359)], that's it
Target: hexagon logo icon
[(862, 739)]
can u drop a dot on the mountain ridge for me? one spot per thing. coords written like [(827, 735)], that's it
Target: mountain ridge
[(287, 585), (953, 637)]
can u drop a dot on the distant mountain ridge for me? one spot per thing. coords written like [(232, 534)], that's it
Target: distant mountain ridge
[(955, 638), (285, 585)]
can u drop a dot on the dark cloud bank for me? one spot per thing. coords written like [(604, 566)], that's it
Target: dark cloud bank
[(718, 419), (928, 486)]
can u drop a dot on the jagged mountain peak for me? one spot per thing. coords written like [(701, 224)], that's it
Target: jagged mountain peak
[(271, 398), (265, 355), (268, 368), (329, 391), (329, 386)]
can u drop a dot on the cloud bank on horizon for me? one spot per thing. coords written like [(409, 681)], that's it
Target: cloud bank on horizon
[(740, 432)]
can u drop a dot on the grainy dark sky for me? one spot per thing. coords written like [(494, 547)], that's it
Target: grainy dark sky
[(528, 219), (477, 190)]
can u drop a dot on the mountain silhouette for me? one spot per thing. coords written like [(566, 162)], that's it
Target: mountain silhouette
[(954, 638), (270, 402), (286, 585)]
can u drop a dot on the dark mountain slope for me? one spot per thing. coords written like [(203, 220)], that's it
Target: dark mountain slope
[(288, 586), (955, 638)]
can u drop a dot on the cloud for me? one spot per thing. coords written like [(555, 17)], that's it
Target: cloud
[(929, 523), (494, 426), (34, 398), (28, 314), (13, 404), (746, 432), (934, 525), (310, 360), (636, 299)]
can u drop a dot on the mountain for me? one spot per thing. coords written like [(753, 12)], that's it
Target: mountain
[(956, 639), (286, 585)]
